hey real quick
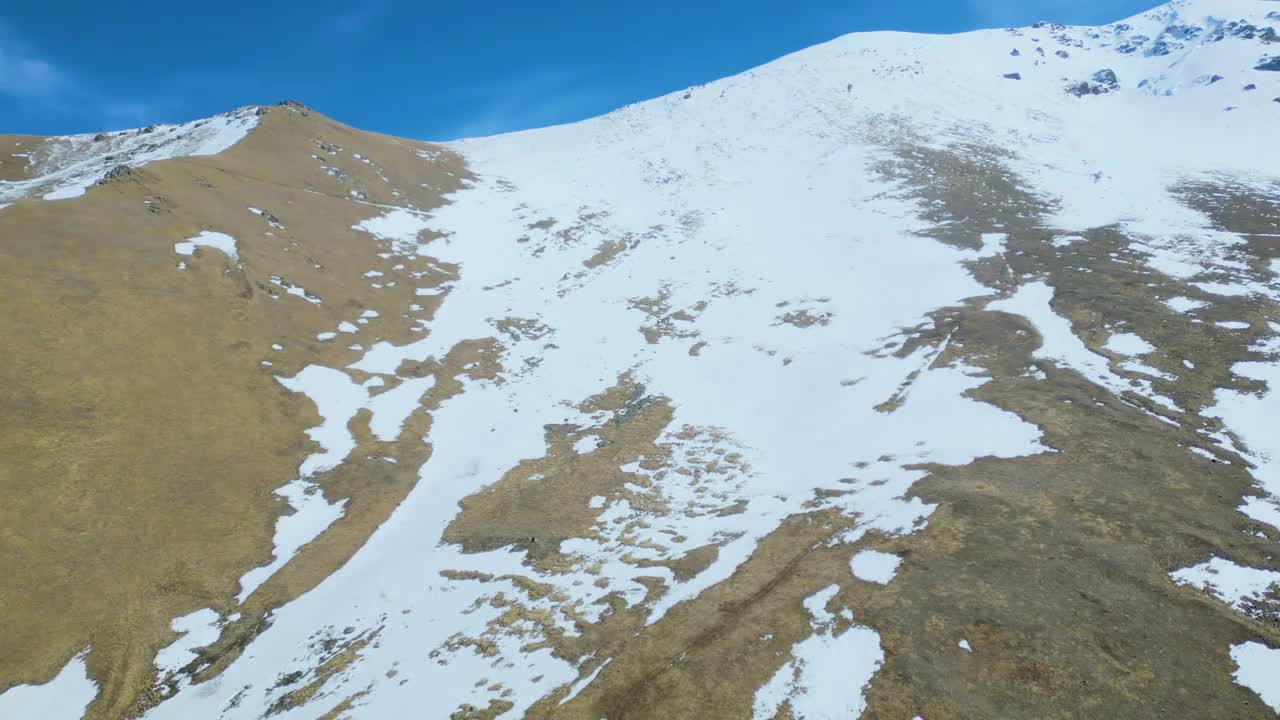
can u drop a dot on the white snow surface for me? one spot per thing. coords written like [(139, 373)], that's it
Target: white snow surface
[(1231, 583), (208, 238), (1184, 304), (65, 167), (1258, 668), (1129, 344), (65, 697), (875, 566), (741, 194)]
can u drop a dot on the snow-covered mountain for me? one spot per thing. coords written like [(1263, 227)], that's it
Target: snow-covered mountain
[(904, 376)]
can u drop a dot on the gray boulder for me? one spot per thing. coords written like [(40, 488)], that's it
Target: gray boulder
[(119, 172)]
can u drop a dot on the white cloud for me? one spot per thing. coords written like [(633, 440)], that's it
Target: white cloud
[(22, 73)]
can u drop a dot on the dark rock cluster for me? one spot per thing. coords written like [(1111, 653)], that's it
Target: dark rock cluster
[(1102, 82), (119, 172)]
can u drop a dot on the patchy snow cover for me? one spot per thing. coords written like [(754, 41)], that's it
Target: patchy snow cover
[(1233, 584), (1061, 344), (64, 167), (207, 238), (296, 290), (196, 630), (1252, 417), (311, 515), (829, 671), (665, 203), (337, 398), (65, 697), (875, 566)]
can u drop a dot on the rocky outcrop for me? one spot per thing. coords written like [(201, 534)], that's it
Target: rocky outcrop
[(1100, 83), (1269, 63), (117, 173)]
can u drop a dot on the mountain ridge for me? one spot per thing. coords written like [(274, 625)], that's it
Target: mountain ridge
[(868, 382)]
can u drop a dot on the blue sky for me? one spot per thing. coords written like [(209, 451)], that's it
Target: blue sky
[(428, 69)]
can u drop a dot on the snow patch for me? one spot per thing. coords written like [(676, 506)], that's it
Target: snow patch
[(875, 566), (207, 238), (65, 697), (1235, 585), (1184, 304), (1129, 344), (1258, 668), (195, 631)]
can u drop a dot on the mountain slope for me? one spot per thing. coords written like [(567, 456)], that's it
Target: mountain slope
[(905, 376)]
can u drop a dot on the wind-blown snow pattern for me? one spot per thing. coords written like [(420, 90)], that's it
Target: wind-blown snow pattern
[(752, 208), (64, 167)]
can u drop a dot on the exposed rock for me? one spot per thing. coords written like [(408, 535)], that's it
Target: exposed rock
[(100, 137), (1107, 78), (1062, 53), (1132, 45), (1243, 30), (261, 111), (1015, 52), (148, 129), (1272, 64), (1103, 81), (118, 172), (1250, 86), (295, 106), (1012, 76)]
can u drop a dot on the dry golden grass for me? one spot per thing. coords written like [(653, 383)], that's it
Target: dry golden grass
[(141, 437)]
